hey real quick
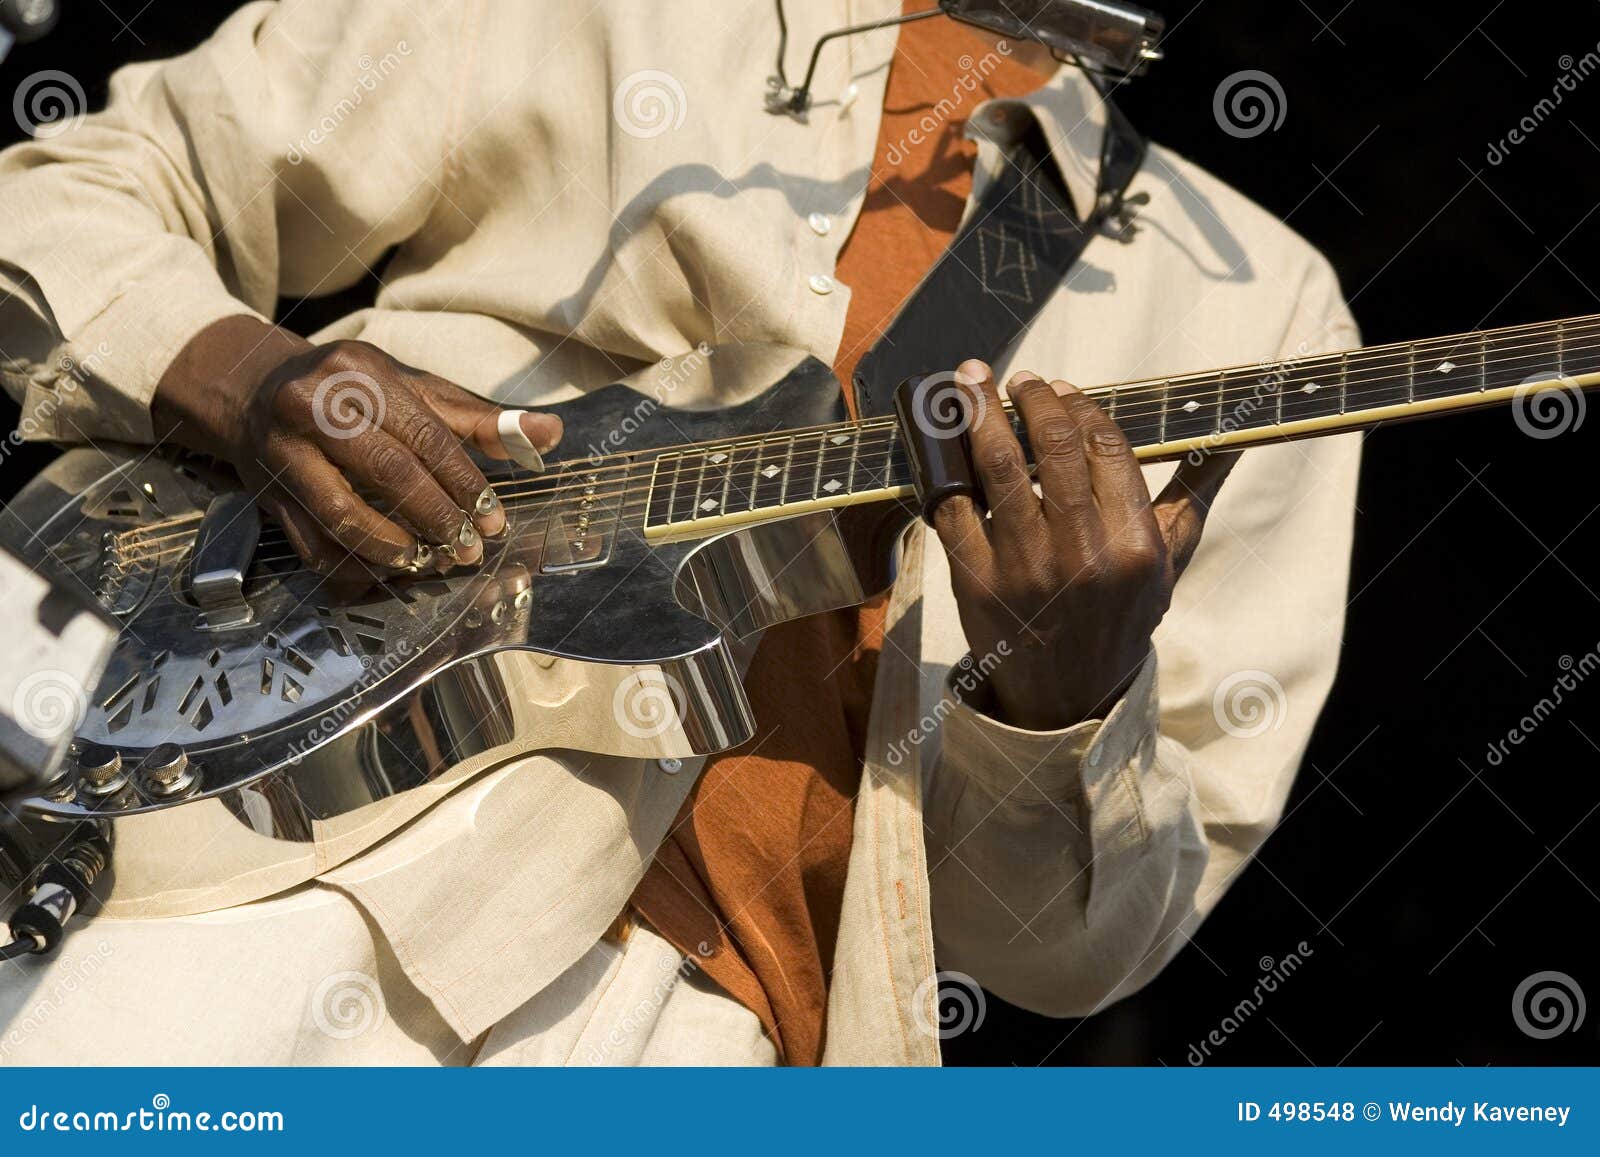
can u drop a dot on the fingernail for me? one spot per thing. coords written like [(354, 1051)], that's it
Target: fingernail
[(516, 441), (971, 372)]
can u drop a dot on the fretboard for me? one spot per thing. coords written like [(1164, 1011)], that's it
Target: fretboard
[(700, 489)]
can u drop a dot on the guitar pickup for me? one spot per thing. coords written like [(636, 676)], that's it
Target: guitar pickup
[(580, 532)]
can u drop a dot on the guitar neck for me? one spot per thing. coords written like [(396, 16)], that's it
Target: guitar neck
[(702, 489)]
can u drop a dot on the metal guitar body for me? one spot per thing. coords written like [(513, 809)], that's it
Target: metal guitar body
[(285, 717)]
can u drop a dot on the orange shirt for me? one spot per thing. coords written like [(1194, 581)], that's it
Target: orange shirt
[(755, 865)]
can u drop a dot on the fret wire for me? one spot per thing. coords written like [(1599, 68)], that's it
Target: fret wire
[(1526, 338), (655, 471)]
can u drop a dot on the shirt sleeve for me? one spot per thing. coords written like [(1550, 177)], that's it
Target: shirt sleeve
[(1069, 867), (285, 155)]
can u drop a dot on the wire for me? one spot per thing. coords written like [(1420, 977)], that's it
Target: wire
[(18, 948)]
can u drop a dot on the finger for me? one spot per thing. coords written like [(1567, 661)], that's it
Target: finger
[(1184, 502), (1114, 473), (959, 524), (998, 462), (379, 461), (340, 513), (520, 439), (439, 451), (316, 548), (1060, 463)]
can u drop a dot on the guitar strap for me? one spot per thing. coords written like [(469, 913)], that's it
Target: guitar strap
[(1016, 248)]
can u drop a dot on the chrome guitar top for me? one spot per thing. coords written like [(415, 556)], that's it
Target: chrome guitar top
[(271, 719)]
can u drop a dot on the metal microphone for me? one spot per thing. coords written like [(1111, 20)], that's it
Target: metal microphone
[(24, 20), (1101, 36)]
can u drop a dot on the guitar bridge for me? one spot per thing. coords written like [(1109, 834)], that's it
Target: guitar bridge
[(580, 534)]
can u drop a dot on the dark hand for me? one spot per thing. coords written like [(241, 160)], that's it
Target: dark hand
[(1072, 583), (306, 425)]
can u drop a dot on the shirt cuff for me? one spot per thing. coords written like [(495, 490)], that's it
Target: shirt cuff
[(1050, 766), (97, 384)]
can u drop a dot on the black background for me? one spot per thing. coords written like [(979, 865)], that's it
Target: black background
[(1427, 883)]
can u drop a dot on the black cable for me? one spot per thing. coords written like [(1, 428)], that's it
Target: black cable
[(783, 43), (17, 948)]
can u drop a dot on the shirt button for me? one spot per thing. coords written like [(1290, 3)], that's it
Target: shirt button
[(670, 766), (821, 283), (820, 224)]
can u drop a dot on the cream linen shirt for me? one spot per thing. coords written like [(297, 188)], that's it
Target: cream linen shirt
[(572, 192)]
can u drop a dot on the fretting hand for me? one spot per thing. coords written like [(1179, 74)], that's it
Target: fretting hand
[(1074, 579)]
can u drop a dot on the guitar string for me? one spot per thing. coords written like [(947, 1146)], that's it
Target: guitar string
[(1125, 398), (1363, 359), (1125, 414), (628, 500)]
